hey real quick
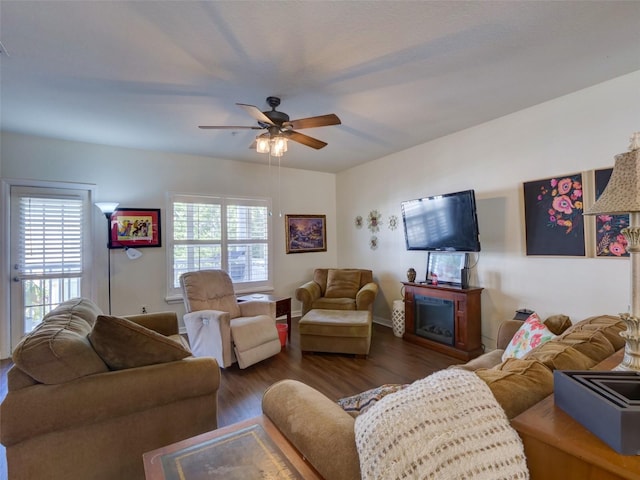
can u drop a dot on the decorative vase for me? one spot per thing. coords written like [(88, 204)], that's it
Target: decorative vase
[(411, 275), (397, 318)]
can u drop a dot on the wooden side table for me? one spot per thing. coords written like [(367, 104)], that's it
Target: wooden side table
[(283, 306), (559, 448)]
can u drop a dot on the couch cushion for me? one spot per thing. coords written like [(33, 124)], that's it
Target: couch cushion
[(342, 283), (122, 344), (558, 356), (531, 334), (609, 325), (58, 350), (518, 384), (592, 343), (325, 303)]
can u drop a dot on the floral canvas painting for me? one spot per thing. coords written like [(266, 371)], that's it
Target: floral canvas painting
[(609, 240), (553, 216)]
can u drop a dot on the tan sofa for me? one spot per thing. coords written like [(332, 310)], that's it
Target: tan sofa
[(338, 289), (89, 394), (324, 433)]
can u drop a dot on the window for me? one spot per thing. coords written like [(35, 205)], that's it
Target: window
[(220, 232)]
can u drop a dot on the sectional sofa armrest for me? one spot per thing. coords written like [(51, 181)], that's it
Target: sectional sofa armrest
[(252, 308), (307, 294), (165, 323), (506, 331), (366, 295), (42, 409), (321, 431), (209, 331)]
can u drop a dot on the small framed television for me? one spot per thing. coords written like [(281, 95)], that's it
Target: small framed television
[(446, 223)]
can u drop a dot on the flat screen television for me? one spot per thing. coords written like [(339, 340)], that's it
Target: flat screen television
[(446, 223)]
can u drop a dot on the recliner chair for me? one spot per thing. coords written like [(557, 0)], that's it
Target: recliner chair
[(220, 327)]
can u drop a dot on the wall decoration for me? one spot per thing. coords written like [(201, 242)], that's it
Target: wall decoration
[(393, 222), (135, 227), (358, 221), (306, 233), (374, 221), (608, 239), (445, 267), (553, 216), (373, 242)]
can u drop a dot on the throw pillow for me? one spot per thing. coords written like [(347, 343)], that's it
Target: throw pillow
[(531, 334), (342, 283), (122, 344)]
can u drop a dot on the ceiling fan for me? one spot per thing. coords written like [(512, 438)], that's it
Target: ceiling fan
[(278, 124)]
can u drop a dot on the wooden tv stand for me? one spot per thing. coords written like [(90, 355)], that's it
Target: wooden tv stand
[(467, 314)]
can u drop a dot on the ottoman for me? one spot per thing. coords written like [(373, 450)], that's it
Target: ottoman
[(336, 331)]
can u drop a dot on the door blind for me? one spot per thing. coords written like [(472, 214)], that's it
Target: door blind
[(50, 236)]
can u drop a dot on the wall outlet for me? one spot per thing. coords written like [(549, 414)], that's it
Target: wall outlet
[(145, 308)]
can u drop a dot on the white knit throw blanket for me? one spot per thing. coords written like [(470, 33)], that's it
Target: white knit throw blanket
[(445, 426)]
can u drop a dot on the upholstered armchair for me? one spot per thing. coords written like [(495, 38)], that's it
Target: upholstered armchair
[(220, 327), (338, 289)]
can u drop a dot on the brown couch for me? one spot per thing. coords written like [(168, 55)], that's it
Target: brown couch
[(338, 289), (89, 394), (324, 433)]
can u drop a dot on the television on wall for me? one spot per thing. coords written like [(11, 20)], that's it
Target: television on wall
[(442, 223)]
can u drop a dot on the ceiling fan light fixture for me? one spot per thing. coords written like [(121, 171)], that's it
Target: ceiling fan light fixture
[(262, 145), (278, 146), (275, 145)]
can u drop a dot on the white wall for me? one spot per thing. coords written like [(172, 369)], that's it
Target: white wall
[(575, 133), (137, 178)]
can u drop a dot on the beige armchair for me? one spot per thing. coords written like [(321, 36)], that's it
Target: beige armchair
[(220, 327), (338, 289)]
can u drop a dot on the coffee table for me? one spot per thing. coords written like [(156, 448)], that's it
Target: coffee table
[(242, 451)]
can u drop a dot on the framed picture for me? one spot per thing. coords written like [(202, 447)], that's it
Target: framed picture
[(553, 216), (306, 233), (445, 267), (135, 227), (609, 241)]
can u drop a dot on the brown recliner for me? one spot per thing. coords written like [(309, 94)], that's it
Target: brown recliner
[(338, 289), (220, 327)]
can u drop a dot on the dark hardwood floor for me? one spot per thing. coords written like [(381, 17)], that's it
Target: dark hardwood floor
[(391, 360)]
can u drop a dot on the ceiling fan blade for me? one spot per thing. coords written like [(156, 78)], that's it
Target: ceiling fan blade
[(255, 113), (305, 140), (227, 127), (311, 122)]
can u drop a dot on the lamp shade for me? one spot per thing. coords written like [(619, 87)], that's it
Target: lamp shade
[(622, 194), (107, 207)]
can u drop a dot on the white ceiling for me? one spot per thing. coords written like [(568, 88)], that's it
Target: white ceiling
[(145, 74)]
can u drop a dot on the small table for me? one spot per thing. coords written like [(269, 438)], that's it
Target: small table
[(559, 448), (242, 448), (283, 306)]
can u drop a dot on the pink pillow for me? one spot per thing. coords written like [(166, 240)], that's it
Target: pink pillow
[(531, 334)]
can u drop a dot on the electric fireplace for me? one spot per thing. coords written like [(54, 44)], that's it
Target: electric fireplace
[(435, 319)]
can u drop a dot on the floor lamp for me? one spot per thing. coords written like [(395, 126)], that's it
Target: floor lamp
[(621, 196), (107, 208)]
